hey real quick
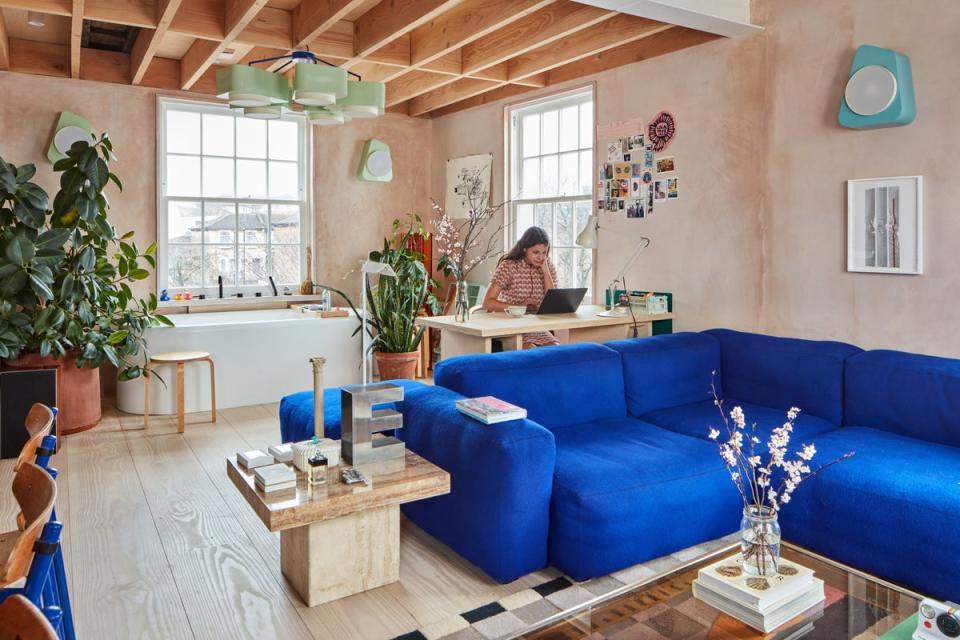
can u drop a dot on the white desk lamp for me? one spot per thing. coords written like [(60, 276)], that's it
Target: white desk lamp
[(589, 239), (369, 267)]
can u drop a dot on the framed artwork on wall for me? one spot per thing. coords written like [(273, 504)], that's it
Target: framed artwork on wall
[(885, 225)]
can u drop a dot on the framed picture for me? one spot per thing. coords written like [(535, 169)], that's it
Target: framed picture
[(885, 225)]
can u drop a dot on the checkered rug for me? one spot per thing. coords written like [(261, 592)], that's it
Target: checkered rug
[(519, 611)]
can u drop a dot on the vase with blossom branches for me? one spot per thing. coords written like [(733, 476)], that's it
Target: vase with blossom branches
[(765, 482), (465, 243)]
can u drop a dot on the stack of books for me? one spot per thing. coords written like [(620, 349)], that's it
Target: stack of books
[(763, 603), (490, 410), (253, 459), (275, 477)]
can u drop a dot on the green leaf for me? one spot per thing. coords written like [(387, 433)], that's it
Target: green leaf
[(88, 258), (53, 238), (67, 287), (116, 181), (127, 235), (25, 172), (139, 274), (98, 174), (63, 164), (86, 208), (34, 196), (41, 288), (112, 356), (128, 250), (117, 337), (163, 320), (150, 259), (30, 216), (7, 269), (151, 250), (8, 181), (20, 250)]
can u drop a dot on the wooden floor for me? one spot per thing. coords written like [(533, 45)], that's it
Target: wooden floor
[(159, 544)]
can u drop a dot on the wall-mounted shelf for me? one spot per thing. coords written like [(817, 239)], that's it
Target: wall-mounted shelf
[(228, 304)]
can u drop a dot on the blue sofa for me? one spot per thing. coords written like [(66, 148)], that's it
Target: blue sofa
[(613, 465)]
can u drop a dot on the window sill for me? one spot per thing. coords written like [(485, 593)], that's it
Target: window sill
[(228, 304)]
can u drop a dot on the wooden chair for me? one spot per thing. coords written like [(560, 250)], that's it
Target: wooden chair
[(21, 620), (180, 358), (35, 492), (38, 423)]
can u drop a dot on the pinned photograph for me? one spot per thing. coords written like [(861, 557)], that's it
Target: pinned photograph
[(615, 190), (638, 140), (607, 172), (673, 188), (648, 157), (635, 184), (660, 191), (626, 144), (621, 170), (665, 165), (647, 177), (625, 187), (635, 210), (637, 169), (649, 200), (613, 151), (626, 157), (611, 205), (620, 204), (601, 204)]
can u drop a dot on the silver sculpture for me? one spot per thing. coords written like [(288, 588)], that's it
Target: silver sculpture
[(359, 421)]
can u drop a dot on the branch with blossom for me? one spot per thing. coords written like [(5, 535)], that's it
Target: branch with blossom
[(753, 478)]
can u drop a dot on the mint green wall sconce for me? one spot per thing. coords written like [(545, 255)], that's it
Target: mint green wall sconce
[(376, 163), (70, 128), (879, 92)]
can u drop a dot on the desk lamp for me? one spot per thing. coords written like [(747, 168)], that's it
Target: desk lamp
[(589, 239)]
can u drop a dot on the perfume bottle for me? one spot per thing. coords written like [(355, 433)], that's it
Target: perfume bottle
[(317, 469)]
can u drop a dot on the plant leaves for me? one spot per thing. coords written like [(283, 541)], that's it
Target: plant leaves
[(53, 238), (117, 336), (139, 274), (20, 250), (115, 180), (40, 287)]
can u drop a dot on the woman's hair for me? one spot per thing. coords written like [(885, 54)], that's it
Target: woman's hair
[(532, 236)]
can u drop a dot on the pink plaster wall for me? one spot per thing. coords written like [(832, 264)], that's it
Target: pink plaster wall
[(757, 239)]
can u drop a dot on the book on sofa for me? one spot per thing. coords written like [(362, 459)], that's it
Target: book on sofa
[(490, 410)]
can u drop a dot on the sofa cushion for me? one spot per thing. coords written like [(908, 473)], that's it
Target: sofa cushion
[(697, 418), (905, 393), (893, 510), (296, 412), (626, 491), (784, 372), (668, 370), (557, 386)]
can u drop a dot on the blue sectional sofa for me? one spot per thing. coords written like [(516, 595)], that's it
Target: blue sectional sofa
[(613, 465)]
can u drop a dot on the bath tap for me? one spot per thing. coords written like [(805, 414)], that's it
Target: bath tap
[(220, 285), (273, 285)]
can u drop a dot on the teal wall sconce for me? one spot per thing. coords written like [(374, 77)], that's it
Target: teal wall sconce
[(879, 91)]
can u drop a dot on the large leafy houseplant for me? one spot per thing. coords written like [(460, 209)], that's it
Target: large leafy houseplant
[(65, 275)]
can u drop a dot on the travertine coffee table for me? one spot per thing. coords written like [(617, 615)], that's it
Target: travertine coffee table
[(338, 540)]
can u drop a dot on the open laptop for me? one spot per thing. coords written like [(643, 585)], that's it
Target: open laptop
[(561, 300)]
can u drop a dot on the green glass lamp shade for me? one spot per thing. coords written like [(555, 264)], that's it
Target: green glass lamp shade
[(363, 99), (318, 85), (263, 113), (245, 86), (324, 117)]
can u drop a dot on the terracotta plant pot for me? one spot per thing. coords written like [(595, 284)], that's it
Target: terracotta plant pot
[(78, 390), (395, 366)]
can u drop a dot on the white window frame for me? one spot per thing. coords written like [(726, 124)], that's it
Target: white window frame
[(514, 165), (304, 200)]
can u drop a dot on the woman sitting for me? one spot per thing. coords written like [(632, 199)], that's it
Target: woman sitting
[(522, 277)]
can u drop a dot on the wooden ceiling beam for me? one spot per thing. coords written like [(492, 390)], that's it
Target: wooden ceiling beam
[(4, 45), (391, 19), (465, 23), (454, 92), (314, 17), (53, 7), (76, 34), (506, 91), (40, 58), (148, 41), (416, 83), (609, 34), (202, 53), (135, 13), (540, 28)]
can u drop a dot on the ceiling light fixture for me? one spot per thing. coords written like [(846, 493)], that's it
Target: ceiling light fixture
[(36, 19)]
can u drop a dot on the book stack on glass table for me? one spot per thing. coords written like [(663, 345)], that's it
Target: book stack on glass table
[(763, 603)]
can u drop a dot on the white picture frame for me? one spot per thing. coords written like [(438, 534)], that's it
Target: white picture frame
[(455, 204), (885, 225)]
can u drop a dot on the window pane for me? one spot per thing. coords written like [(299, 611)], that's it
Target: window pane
[(218, 178), (548, 176), (531, 178), (217, 135), (253, 265), (569, 174), (583, 268), (531, 135), (543, 217), (586, 171), (548, 139), (252, 221), (569, 128), (285, 223), (524, 220), (183, 175), (283, 180), (183, 132), (286, 264), (183, 221), (586, 125), (565, 234), (183, 266), (220, 222), (563, 261), (251, 179), (283, 140), (221, 260), (582, 212), (251, 138)]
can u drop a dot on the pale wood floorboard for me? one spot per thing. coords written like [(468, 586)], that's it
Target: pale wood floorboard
[(159, 544)]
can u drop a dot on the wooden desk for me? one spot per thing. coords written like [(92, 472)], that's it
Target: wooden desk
[(336, 540), (476, 335)]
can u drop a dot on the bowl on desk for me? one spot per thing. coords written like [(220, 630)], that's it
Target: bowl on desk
[(515, 311)]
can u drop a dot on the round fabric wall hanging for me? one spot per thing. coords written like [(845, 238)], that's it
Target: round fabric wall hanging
[(661, 130)]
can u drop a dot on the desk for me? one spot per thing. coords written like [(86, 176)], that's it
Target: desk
[(476, 334)]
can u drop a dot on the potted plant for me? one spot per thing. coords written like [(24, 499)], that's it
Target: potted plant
[(65, 275)]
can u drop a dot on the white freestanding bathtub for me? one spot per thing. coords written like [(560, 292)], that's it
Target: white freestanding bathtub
[(260, 356)]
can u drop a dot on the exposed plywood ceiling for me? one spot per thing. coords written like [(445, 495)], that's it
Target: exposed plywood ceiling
[(436, 56)]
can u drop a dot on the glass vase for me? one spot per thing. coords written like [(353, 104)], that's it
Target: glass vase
[(461, 303), (760, 541)]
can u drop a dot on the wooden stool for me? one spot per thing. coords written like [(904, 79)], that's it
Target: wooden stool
[(180, 358)]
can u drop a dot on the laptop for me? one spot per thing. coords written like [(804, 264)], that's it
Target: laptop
[(561, 300)]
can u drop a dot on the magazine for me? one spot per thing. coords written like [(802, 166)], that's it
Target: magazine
[(490, 410)]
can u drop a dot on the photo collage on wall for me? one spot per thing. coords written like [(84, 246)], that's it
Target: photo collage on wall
[(631, 180)]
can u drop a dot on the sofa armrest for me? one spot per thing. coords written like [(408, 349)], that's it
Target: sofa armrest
[(501, 479)]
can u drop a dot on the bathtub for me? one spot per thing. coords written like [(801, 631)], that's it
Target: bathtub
[(260, 356)]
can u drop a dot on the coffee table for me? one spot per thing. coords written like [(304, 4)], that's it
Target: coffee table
[(663, 608), (341, 539)]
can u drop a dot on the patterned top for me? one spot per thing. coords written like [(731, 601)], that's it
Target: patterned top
[(521, 281)]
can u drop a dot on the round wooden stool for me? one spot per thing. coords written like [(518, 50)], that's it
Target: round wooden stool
[(180, 358)]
